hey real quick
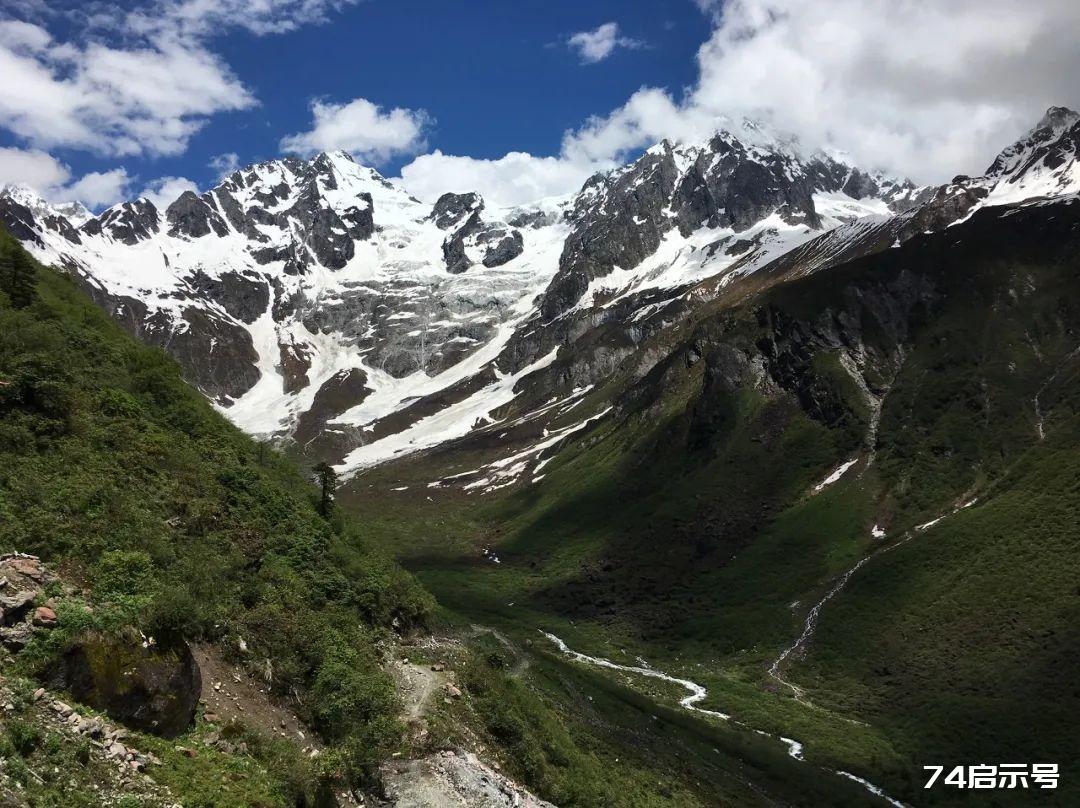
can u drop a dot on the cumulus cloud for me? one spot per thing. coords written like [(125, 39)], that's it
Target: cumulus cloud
[(362, 128), (31, 167), (53, 180), (97, 189), (136, 83), (920, 88), (513, 179), (164, 190), (596, 45), (923, 88)]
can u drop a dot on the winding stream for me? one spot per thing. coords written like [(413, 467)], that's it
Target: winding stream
[(698, 693)]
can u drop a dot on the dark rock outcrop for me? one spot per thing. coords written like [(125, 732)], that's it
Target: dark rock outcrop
[(451, 209), (243, 296), (508, 247), (19, 221), (194, 216), (152, 687)]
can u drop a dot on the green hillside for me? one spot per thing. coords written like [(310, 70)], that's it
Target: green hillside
[(116, 472)]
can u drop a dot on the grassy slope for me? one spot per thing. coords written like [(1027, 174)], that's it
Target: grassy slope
[(956, 646), (118, 473)]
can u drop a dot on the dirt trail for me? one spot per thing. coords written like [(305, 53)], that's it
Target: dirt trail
[(417, 685), (445, 778)]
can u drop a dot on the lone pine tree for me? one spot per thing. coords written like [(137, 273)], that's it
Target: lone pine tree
[(18, 277), (327, 478)]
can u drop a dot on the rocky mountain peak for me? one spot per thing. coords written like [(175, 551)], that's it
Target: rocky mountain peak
[(1056, 132), (316, 297), (1058, 119), (128, 222)]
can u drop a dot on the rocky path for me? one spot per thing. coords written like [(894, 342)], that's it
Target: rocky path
[(447, 778), (453, 779)]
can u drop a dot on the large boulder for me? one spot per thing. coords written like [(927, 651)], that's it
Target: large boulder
[(149, 686)]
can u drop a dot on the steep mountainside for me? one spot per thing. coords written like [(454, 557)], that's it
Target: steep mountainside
[(319, 301), (316, 301), (181, 528)]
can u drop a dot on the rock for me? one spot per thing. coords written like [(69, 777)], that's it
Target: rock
[(16, 606), (193, 216), (30, 566), (507, 249), (153, 689), (62, 709), (116, 750), (450, 209), (128, 223), (439, 666), (39, 693), (453, 692), (44, 616)]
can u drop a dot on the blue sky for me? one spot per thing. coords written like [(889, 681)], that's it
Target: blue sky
[(517, 99), (488, 76)]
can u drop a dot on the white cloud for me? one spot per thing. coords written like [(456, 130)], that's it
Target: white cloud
[(225, 164), (165, 190), (598, 44), (922, 88), (119, 101), (36, 169), (136, 83), (97, 189), (200, 18), (362, 128), (513, 179), (52, 179)]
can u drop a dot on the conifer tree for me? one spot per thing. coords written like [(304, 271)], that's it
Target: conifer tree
[(22, 287), (7, 269), (327, 478)]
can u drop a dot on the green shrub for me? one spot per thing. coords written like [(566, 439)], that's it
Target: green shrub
[(24, 737)]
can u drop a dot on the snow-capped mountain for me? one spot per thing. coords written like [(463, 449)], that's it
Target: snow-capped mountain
[(316, 301)]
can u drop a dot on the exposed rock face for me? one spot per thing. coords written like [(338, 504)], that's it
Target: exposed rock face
[(128, 223), (452, 209), (340, 392), (25, 579), (295, 364), (244, 296), (154, 689), (506, 248), (1053, 143), (19, 221), (453, 779), (194, 216)]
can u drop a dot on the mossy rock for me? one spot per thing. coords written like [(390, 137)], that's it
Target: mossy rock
[(154, 689)]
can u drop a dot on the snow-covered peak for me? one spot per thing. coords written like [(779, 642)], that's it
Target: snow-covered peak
[(1043, 163), (75, 212), (1055, 125)]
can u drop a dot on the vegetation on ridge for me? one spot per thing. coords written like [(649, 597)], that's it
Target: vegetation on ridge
[(116, 471)]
